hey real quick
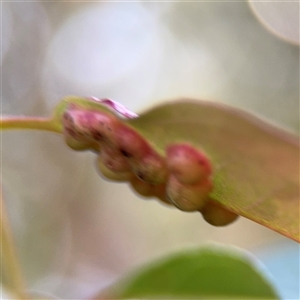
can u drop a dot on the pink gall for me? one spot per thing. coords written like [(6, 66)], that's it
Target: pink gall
[(187, 164), (216, 215), (111, 175), (113, 159), (188, 197)]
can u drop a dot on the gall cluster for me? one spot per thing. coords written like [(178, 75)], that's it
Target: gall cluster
[(181, 177)]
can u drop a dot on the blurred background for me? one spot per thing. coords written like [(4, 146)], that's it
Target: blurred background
[(75, 232)]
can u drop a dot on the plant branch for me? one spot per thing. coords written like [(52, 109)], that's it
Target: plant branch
[(36, 123), (10, 269)]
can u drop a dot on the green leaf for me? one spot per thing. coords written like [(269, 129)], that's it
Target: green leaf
[(211, 272), (256, 165)]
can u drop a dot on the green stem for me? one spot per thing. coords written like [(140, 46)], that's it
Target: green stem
[(10, 269), (37, 123)]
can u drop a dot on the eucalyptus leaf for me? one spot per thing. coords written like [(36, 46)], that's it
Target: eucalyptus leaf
[(211, 272), (256, 165)]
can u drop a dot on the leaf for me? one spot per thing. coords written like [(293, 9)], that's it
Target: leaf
[(211, 272), (256, 165)]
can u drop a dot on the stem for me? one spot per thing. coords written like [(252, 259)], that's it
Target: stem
[(37, 123), (10, 268)]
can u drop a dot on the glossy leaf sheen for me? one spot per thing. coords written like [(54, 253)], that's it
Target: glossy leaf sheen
[(208, 273), (255, 165)]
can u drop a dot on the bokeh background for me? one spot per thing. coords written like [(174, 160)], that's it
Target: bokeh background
[(76, 233)]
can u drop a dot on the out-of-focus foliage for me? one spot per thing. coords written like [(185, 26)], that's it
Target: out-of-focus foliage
[(72, 229), (207, 273)]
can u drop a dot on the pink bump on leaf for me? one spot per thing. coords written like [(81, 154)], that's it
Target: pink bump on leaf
[(74, 139), (188, 164), (144, 161), (91, 124), (149, 190), (69, 126), (160, 193), (151, 168), (109, 174), (79, 121), (215, 214), (188, 197), (104, 127), (141, 187), (113, 159), (130, 143), (78, 143)]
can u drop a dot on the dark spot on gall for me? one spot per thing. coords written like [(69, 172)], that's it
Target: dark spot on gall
[(97, 135), (125, 153), (67, 117), (72, 133), (141, 176)]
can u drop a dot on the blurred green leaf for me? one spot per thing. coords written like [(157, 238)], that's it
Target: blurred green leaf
[(256, 165), (211, 272)]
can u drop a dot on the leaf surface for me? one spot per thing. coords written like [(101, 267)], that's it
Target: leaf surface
[(256, 165)]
